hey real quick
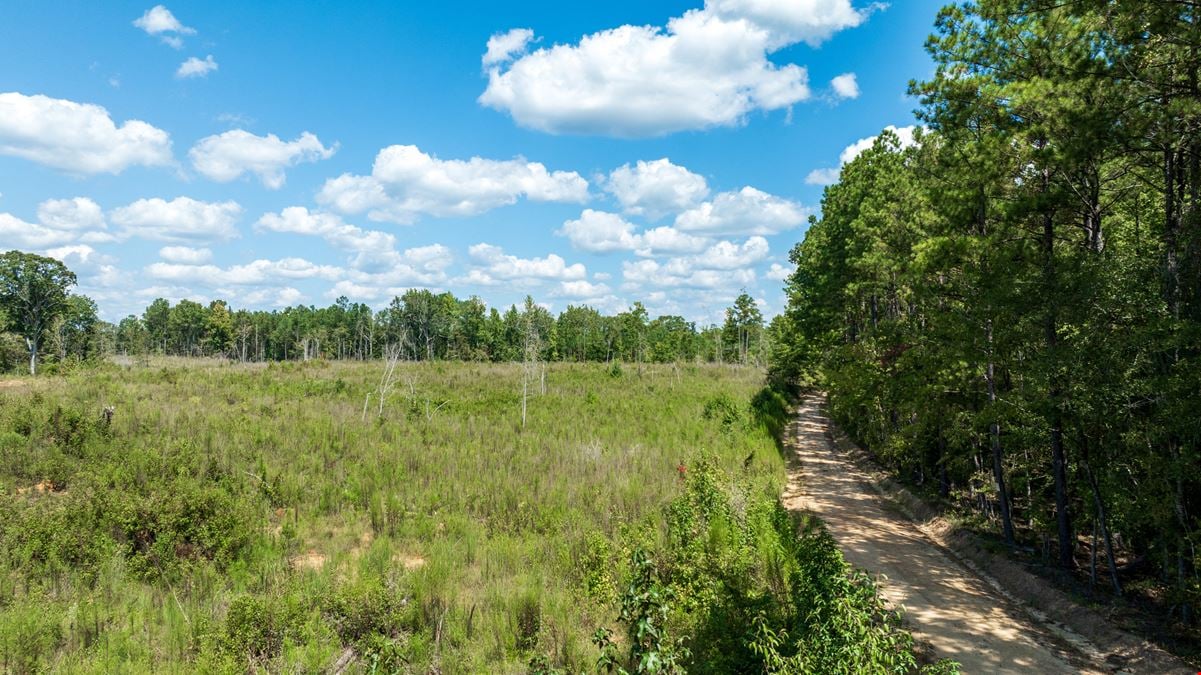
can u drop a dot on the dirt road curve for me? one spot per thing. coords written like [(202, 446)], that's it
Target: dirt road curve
[(946, 606)]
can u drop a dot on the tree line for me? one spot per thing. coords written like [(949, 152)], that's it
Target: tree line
[(40, 318), (1009, 309)]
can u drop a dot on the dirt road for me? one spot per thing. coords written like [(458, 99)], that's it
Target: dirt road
[(946, 606)]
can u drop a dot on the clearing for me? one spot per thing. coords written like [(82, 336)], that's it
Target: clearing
[(946, 606)]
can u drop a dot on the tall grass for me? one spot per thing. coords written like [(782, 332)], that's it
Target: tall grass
[(236, 516)]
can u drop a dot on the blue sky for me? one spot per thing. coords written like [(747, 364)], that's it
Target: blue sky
[(275, 153)]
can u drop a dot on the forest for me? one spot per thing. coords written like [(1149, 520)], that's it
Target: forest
[(1007, 311), (420, 324)]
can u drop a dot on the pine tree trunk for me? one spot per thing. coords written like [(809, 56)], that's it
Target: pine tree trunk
[(998, 472)]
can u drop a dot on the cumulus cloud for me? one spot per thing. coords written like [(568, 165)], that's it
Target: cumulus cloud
[(195, 67), (829, 176), (225, 157), (791, 21), (283, 296), (77, 137), (503, 47), (726, 255), (182, 219), (18, 233), (491, 266), (669, 240), (396, 272), (778, 272), (77, 214), (681, 273), (159, 21), (707, 68), (580, 289), (258, 272), (602, 232), (723, 265), (60, 222), (185, 255), (845, 86), (94, 269), (745, 212), (406, 183), (328, 226), (374, 251), (656, 188)]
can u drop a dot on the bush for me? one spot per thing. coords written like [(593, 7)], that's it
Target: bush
[(377, 620), (755, 592), (723, 409)]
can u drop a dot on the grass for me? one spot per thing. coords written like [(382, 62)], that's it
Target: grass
[(238, 516)]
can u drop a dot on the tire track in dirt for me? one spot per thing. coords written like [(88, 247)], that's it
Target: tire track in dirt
[(946, 606)]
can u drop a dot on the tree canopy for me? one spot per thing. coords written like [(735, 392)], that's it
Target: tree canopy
[(1010, 308)]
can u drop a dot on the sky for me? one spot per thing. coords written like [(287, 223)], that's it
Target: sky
[(279, 153)]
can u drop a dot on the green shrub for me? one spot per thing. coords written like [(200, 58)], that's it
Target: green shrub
[(377, 620), (722, 409)]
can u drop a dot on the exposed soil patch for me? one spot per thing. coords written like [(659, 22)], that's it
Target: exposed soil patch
[(312, 560), (43, 488), (410, 562)]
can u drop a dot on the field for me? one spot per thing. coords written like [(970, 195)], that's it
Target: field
[(233, 516)]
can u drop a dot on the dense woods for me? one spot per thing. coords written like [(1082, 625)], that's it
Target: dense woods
[(1008, 311)]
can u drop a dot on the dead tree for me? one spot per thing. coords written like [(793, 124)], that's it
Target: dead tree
[(387, 381)]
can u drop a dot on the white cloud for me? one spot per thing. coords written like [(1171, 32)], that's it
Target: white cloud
[(328, 226), (79, 213), (93, 267), (492, 266), (792, 21), (602, 232), (723, 265), (195, 67), (181, 219), (670, 240), (828, 176), (681, 273), (580, 290), (778, 272), (656, 188), (77, 137), (503, 47), (258, 272), (285, 296), (406, 183), (747, 211), (845, 86), (185, 255), (393, 272), (18, 233), (159, 19), (726, 255), (906, 135), (226, 156), (707, 68), (60, 222), (375, 251)]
